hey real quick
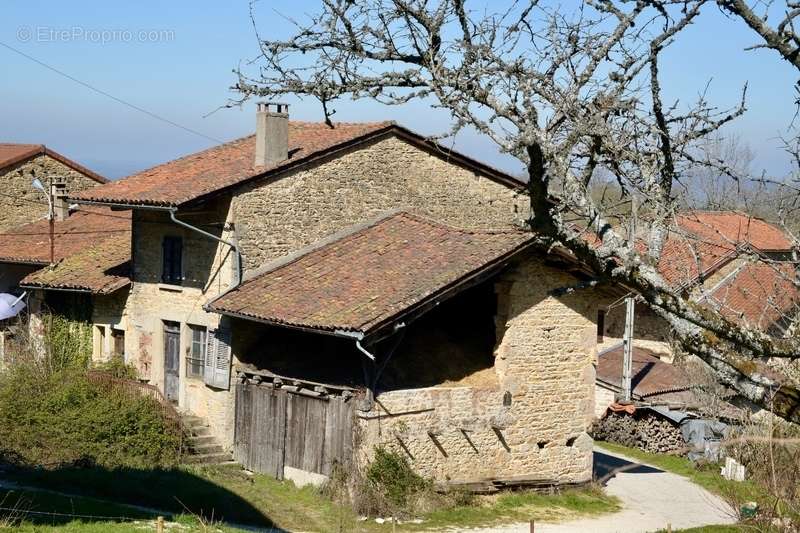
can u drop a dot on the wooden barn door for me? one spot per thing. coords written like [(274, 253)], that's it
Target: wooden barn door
[(275, 428)]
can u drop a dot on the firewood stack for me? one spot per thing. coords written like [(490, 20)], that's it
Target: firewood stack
[(645, 431)]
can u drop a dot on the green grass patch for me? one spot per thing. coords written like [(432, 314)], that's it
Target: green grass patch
[(523, 506), (230, 494)]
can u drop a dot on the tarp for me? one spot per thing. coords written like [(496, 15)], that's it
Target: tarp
[(703, 437)]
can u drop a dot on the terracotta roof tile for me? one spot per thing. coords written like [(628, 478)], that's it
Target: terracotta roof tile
[(365, 279), (702, 241), (198, 174), (11, 154), (30, 243), (757, 294), (100, 269)]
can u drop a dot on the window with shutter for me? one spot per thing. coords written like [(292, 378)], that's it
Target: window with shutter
[(218, 359)]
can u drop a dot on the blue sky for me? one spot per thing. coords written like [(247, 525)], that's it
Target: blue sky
[(185, 75)]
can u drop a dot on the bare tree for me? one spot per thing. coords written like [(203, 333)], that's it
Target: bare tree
[(573, 94)]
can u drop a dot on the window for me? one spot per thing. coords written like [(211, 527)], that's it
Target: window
[(118, 339), (196, 357), (601, 324), (172, 260)]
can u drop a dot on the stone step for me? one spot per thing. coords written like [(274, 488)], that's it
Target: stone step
[(206, 449), (200, 431), (209, 458), (192, 420), (200, 440)]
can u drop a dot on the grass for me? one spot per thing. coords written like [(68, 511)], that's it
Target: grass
[(230, 493), (705, 475), (46, 511), (524, 506)]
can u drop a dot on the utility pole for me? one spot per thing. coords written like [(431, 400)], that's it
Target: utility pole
[(630, 303)]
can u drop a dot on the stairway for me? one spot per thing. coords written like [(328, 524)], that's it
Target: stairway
[(202, 446)]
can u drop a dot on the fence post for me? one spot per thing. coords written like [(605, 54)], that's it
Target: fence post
[(160, 524)]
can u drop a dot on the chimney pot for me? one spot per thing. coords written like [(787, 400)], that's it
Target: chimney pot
[(58, 191), (272, 133)]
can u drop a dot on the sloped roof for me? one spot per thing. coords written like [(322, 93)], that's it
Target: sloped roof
[(365, 279), (757, 294), (11, 154), (100, 269), (197, 175), (30, 243), (702, 241), (650, 376)]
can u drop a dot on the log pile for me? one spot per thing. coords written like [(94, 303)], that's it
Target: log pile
[(645, 431)]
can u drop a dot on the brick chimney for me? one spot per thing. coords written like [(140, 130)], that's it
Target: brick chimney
[(272, 133), (58, 191)]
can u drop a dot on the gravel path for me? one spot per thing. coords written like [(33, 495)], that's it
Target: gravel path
[(651, 499)]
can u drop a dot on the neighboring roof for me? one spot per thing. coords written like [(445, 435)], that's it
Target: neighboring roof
[(703, 241), (650, 376), (11, 154), (370, 277), (30, 243), (99, 269), (730, 228), (211, 171), (757, 294)]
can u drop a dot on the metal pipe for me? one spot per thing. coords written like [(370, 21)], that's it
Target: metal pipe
[(232, 246), (364, 350)]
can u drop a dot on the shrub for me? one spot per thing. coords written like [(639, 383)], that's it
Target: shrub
[(392, 475), (60, 417)]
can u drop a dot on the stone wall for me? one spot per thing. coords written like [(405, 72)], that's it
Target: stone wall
[(280, 216), (603, 397), (20, 202), (535, 423), (109, 312)]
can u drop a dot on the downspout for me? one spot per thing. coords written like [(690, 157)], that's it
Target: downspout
[(369, 380), (235, 247)]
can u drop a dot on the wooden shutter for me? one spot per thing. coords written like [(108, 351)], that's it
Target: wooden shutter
[(218, 359)]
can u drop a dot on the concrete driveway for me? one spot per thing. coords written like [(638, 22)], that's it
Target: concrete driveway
[(651, 499)]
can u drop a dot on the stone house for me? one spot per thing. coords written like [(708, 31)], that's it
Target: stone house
[(313, 291), (80, 274), (20, 164)]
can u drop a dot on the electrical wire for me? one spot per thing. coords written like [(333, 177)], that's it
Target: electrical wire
[(111, 96)]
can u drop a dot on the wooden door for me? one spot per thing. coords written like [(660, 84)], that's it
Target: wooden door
[(172, 346), (274, 428)]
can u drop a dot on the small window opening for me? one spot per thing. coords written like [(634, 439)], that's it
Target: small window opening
[(541, 444), (571, 441), (118, 346), (172, 260), (601, 324)]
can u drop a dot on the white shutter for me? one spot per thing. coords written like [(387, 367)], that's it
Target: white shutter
[(218, 359), (211, 358)]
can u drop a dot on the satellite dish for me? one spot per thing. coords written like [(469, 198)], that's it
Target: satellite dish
[(10, 305)]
